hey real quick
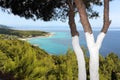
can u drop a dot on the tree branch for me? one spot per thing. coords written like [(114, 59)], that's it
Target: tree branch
[(83, 15), (99, 40), (107, 22)]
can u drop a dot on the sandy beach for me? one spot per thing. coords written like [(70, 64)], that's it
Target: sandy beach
[(48, 35)]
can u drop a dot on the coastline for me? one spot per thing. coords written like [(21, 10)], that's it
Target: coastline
[(50, 34)]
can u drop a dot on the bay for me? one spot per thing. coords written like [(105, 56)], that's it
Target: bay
[(60, 42)]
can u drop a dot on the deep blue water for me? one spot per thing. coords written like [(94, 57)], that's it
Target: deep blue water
[(60, 42)]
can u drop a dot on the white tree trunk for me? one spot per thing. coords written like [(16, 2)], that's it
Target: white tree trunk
[(93, 48), (80, 58)]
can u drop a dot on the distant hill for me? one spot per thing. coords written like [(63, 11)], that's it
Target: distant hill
[(4, 26), (21, 33)]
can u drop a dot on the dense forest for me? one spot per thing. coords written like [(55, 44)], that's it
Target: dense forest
[(19, 60), (22, 33)]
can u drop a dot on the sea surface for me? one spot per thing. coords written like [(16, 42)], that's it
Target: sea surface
[(60, 42)]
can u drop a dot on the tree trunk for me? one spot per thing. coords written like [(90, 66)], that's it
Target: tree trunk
[(83, 15), (93, 46), (80, 58), (75, 43)]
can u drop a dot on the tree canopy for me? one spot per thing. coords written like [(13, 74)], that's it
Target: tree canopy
[(45, 9)]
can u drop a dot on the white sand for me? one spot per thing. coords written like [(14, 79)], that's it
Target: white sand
[(48, 35)]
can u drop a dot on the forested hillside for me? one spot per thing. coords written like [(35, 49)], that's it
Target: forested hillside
[(20, 60), (22, 33)]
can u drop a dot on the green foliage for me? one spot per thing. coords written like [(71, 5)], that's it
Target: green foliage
[(21, 61), (46, 10), (110, 67)]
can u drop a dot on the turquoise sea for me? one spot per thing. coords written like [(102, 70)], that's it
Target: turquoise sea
[(60, 42)]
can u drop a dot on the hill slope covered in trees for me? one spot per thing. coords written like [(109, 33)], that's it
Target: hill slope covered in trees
[(20, 60), (22, 33)]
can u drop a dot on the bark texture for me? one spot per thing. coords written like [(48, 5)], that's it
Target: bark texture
[(71, 22), (83, 15), (107, 22)]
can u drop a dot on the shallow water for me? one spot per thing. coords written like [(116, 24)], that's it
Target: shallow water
[(60, 42)]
